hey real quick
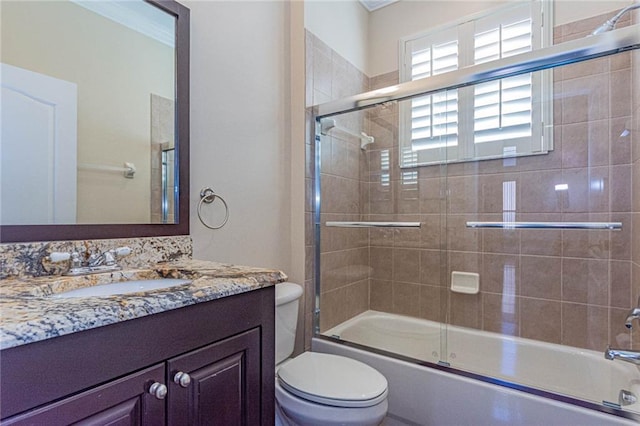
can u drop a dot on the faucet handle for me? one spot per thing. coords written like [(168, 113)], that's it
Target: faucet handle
[(122, 251), (57, 256)]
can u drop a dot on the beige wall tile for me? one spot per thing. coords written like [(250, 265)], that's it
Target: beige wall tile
[(621, 284), (588, 190), (381, 295), (619, 335), (432, 269), (407, 237), (501, 313), (406, 265), (500, 274), (585, 326), (381, 262), (585, 281), (586, 243), (465, 310), (461, 238), (539, 193), (430, 303), (542, 242), (621, 188), (620, 93), (406, 299), (333, 309), (540, 319), (622, 241), (620, 140), (464, 194), (540, 277), (500, 240), (357, 298), (431, 231)]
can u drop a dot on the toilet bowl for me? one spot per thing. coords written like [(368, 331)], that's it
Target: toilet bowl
[(321, 389)]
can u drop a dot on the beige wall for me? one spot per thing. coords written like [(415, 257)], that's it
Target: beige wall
[(241, 145), (119, 67), (344, 25), (340, 30)]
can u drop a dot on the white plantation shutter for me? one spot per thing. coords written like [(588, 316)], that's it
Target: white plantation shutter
[(489, 120), (434, 118), (502, 109)]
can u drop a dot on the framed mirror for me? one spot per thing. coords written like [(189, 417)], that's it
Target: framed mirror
[(95, 120)]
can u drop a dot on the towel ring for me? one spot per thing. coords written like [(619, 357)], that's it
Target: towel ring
[(208, 196)]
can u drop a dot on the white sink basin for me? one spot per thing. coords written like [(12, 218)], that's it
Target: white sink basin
[(124, 287)]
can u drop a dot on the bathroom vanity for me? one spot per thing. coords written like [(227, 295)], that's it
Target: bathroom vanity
[(209, 361)]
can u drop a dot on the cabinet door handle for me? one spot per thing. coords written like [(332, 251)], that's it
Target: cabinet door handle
[(158, 390), (183, 379)]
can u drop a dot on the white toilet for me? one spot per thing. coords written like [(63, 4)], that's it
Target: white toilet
[(321, 389)]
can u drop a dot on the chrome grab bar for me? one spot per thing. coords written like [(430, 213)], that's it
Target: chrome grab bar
[(373, 224), (616, 226)]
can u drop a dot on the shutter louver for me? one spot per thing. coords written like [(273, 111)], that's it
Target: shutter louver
[(503, 108), (434, 118)]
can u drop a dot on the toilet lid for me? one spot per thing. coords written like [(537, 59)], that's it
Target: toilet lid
[(333, 380)]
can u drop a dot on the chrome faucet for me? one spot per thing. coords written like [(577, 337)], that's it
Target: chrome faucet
[(96, 263), (107, 258), (634, 314), (623, 355)]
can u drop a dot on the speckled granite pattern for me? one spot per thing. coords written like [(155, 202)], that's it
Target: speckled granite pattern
[(30, 259), (29, 314)]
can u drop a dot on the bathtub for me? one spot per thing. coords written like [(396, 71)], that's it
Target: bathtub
[(492, 378)]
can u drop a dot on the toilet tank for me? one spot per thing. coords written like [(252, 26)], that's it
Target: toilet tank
[(287, 303)]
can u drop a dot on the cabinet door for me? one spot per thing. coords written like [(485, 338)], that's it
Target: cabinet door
[(125, 401), (224, 383)]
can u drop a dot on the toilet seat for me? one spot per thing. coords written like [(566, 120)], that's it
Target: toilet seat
[(333, 380)]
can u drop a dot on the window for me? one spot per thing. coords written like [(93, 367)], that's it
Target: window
[(496, 119)]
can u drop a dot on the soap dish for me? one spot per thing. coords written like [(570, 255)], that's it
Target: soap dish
[(465, 282)]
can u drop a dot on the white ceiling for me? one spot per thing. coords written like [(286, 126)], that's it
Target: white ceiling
[(372, 5)]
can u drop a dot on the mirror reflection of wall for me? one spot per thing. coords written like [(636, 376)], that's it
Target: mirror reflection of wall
[(116, 70), (162, 159)]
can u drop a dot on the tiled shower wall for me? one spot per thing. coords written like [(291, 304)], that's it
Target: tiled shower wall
[(569, 287), (345, 255), (635, 185)]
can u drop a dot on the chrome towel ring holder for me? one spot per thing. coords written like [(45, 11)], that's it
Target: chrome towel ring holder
[(208, 196)]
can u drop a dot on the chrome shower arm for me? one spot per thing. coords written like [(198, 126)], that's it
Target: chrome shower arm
[(611, 23)]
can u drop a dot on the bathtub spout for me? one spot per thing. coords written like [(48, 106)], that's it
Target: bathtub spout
[(633, 315), (623, 355)]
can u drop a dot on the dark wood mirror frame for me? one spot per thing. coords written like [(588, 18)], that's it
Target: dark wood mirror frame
[(27, 233)]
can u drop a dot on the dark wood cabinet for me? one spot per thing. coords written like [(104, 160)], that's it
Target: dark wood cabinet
[(216, 360), (124, 401), (224, 383)]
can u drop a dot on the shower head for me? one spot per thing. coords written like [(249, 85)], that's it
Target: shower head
[(611, 23)]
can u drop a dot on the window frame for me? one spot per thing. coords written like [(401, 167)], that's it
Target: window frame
[(466, 149)]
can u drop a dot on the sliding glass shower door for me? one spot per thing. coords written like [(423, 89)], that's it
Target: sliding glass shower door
[(491, 229)]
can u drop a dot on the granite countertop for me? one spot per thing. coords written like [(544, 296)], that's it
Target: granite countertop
[(28, 313)]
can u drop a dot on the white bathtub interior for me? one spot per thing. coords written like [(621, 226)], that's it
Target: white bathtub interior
[(429, 397), (572, 372)]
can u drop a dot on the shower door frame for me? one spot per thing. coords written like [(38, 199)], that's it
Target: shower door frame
[(567, 53)]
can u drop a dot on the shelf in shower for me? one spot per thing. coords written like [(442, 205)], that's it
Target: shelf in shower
[(373, 224), (616, 226)]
